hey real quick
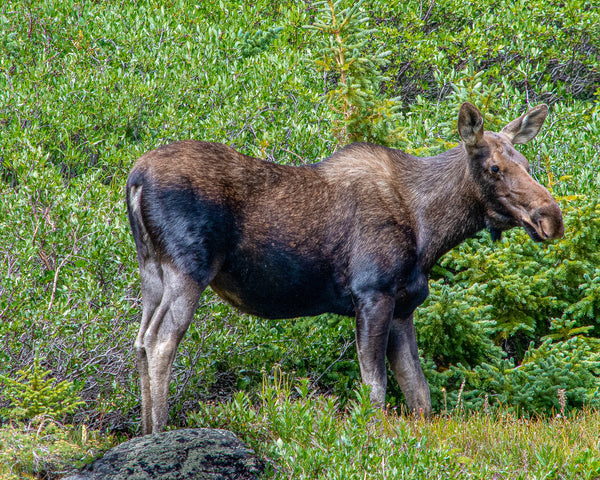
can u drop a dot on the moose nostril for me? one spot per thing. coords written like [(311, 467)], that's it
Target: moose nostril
[(560, 231), (550, 221)]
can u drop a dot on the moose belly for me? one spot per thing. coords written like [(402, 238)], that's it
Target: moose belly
[(280, 284)]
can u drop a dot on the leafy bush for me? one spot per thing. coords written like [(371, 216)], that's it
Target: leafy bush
[(549, 53)]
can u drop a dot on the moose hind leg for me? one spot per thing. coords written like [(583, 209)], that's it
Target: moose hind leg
[(152, 293), (163, 334), (403, 355)]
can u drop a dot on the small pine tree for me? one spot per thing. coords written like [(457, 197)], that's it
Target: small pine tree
[(343, 42), (32, 394)]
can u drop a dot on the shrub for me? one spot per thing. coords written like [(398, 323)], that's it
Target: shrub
[(32, 395), (523, 301)]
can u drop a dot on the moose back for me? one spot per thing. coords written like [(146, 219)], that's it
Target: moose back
[(355, 234)]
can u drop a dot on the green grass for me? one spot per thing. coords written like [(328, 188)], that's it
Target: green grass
[(309, 437)]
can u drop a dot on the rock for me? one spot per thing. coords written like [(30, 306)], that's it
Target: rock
[(202, 453)]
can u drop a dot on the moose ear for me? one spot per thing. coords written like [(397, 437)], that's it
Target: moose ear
[(470, 124), (527, 125)]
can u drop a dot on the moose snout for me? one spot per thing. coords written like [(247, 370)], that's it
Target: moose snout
[(548, 221)]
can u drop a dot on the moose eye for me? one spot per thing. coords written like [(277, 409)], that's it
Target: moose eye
[(494, 169)]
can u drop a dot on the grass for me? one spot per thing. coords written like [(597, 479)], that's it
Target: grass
[(48, 449), (501, 445), (308, 437)]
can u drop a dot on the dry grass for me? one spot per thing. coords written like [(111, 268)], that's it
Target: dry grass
[(503, 446)]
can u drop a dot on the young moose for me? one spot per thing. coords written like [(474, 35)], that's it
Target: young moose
[(355, 234)]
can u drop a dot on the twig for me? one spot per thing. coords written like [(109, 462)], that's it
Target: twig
[(54, 286), (63, 262), (346, 346)]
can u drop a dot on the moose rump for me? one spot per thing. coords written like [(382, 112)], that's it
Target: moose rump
[(355, 234)]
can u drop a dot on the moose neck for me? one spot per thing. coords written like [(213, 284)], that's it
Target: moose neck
[(448, 204)]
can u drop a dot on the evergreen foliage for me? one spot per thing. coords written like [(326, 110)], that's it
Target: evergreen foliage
[(343, 52), (257, 43), (31, 395), (505, 295), (532, 387)]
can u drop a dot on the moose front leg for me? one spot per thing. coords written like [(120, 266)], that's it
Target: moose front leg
[(403, 355), (374, 314)]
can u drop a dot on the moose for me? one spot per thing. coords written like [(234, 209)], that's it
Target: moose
[(355, 234)]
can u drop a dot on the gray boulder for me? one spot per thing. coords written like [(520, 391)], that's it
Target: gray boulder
[(202, 453)]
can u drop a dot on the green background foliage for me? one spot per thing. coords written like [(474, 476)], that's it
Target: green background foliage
[(87, 87)]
